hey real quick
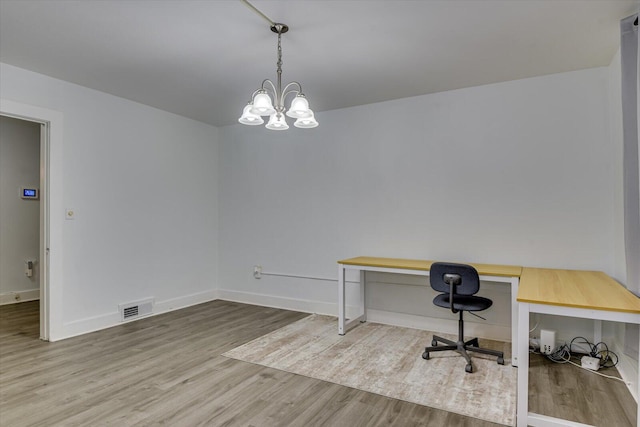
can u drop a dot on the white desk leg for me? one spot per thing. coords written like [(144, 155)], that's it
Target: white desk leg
[(522, 407), (515, 281), (341, 300), (638, 385), (363, 286)]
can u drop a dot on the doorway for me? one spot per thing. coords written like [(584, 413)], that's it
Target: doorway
[(50, 124), (19, 210), (22, 181)]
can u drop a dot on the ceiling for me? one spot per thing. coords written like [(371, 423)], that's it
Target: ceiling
[(203, 58)]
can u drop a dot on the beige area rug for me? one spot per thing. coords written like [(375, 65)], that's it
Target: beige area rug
[(387, 360)]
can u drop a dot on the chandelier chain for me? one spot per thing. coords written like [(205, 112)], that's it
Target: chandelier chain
[(279, 71)]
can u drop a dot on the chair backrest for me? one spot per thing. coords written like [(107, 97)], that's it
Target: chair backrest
[(469, 279)]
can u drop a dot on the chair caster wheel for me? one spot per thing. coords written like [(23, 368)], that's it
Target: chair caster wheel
[(434, 343), (468, 368), (425, 355), (500, 360)]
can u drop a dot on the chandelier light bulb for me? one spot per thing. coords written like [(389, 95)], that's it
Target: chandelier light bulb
[(299, 107), (248, 118), (262, 105), (277, 122), (306, 122)]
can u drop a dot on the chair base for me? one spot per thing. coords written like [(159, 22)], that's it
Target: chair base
[(461, 347)]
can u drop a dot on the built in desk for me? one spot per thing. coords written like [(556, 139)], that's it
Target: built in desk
[(572, 293), (489, 272)]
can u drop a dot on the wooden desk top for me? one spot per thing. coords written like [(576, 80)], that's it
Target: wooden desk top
[(575, 288), (414, 264)]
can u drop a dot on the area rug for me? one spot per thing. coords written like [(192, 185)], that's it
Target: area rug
[(387, 360)]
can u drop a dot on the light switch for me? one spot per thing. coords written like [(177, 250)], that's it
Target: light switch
[(70, 213)]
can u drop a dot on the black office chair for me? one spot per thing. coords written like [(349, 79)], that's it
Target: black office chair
[(459, 284)]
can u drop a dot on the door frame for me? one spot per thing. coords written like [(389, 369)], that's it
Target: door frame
[(51, 211)]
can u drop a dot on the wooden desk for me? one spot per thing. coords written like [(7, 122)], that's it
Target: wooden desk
[(491, 272), (573, 293)]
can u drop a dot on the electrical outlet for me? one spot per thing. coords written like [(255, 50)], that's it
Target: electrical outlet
[(257, 271), (547, 341)]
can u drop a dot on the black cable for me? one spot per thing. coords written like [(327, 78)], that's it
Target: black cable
[(608, 359), (564, 353), (561, 354), (606, 356), (584, 341)]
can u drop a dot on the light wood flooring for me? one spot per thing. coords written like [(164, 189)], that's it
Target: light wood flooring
[(168, 370)]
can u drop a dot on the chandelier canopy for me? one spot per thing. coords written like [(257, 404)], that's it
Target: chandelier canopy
[(269, 99)]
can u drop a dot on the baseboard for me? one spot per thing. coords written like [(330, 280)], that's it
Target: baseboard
[(108, 320), (19, 296), (184, 301), (488, 331), (305, 306), (447, 326)]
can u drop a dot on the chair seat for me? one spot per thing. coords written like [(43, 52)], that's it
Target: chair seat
[(463, 302)]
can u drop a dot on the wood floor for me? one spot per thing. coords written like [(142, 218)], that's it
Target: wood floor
[(168, 370)]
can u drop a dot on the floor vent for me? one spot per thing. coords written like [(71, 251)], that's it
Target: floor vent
[(137, 309)]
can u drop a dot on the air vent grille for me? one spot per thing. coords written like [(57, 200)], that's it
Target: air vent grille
[(130, 312), (135, 309)]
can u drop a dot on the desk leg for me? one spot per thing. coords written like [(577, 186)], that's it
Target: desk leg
[(638, 385), (341, 300), (363, 287), (522, 407), (515, 282)]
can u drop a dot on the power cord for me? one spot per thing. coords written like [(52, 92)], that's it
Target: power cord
[(608, 359)]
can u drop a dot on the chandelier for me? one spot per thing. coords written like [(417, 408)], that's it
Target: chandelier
[(269, 99)]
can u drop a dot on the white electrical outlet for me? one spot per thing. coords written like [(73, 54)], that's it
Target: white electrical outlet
[(547, 341), (257, 271)]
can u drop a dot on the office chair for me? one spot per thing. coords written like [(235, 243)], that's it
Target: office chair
[(458, 284)]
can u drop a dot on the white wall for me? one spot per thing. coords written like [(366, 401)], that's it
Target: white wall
[(144, 186), (530, 161), (520, 172), (19, 218), (615, 131)]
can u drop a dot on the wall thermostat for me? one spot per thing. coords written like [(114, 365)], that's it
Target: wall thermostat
[(29, 193)]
